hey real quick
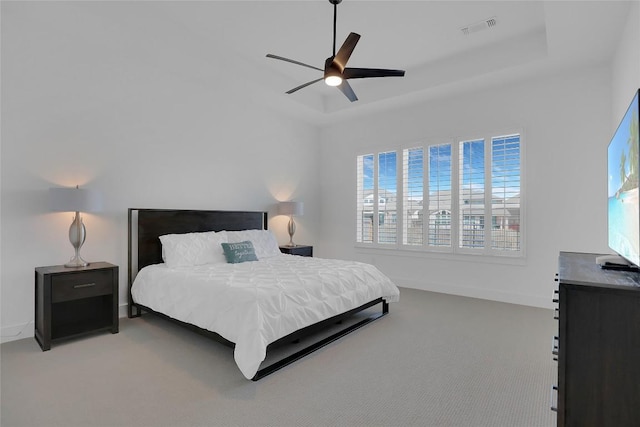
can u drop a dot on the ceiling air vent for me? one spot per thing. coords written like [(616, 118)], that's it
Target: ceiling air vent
[(479, 26)]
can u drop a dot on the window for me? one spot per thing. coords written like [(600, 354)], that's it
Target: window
[(412, 184), (471, 193), (439, 196), (462, 197), (505, 185), (365, 198), (387, 179)]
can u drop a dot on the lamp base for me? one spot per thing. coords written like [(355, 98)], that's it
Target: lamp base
[(292, 230), (77, 234), (76, 262)]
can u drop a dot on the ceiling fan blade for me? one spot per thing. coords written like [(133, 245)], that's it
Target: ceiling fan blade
[(293, 62), (304, 85), (363, 73), (345, 88), (346, 50)]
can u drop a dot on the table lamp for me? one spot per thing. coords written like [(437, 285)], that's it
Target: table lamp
[(75, 200), (291, 209)]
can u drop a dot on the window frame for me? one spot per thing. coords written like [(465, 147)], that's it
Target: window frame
[(454, 249)]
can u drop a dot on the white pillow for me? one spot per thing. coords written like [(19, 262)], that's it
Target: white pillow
[(264, 242), (184, 250)]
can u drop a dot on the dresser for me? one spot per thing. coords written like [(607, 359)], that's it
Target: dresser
[(597, 345), (75, 301)]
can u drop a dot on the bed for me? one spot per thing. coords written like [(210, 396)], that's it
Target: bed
[(250, 306)]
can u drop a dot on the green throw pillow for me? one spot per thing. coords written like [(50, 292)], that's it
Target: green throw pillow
[(239, 252)]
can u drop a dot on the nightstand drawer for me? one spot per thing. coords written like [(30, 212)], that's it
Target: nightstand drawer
[(68, 287)]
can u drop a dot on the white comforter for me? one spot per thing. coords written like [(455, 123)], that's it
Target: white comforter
[(255, 303)]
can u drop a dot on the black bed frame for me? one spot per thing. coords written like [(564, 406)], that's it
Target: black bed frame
[(145, 227)]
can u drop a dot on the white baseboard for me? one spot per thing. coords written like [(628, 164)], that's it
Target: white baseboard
[(17, 332), (122, 310), (488, 294)]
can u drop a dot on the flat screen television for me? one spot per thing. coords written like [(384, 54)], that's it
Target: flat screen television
[(623, 170)]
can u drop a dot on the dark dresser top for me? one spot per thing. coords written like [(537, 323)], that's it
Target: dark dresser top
[(580, 269)]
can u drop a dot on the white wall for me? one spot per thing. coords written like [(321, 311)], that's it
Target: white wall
[(141, 115), (566, 123), (626, 65)]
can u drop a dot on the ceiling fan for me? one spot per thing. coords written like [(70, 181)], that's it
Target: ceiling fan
[(335, 70)]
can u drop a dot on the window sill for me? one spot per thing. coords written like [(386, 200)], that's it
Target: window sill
[(405, 252)]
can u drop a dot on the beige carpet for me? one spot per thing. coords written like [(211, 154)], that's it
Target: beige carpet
[(435, 360)]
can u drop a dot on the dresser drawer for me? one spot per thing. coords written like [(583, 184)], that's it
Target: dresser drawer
[(68, 287)]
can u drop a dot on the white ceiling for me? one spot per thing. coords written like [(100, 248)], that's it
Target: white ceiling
[(422, 37)]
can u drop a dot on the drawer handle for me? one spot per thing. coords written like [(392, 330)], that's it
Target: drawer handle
[(554, 402), (556, 313), (85, 285)]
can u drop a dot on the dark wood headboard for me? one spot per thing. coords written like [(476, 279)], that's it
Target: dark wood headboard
[(147, 225)]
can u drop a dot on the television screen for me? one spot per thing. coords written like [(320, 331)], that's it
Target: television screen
[(623, 169)]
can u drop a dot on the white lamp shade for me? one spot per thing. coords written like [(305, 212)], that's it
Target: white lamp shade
[(74, 200), (291, 208)]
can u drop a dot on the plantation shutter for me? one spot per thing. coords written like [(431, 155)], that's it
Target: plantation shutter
[(386, 200), (472, 195), (505, 184), (439, 212), (413, 183), (364, 199)]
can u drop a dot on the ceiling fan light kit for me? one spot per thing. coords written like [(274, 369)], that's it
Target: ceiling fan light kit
[(332, 73), (333, 80), (335, 69)]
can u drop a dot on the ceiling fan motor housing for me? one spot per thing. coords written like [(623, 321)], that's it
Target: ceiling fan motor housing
[(332, 68)]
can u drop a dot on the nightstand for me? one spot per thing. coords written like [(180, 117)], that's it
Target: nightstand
[(75, 301), (301, 250)]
